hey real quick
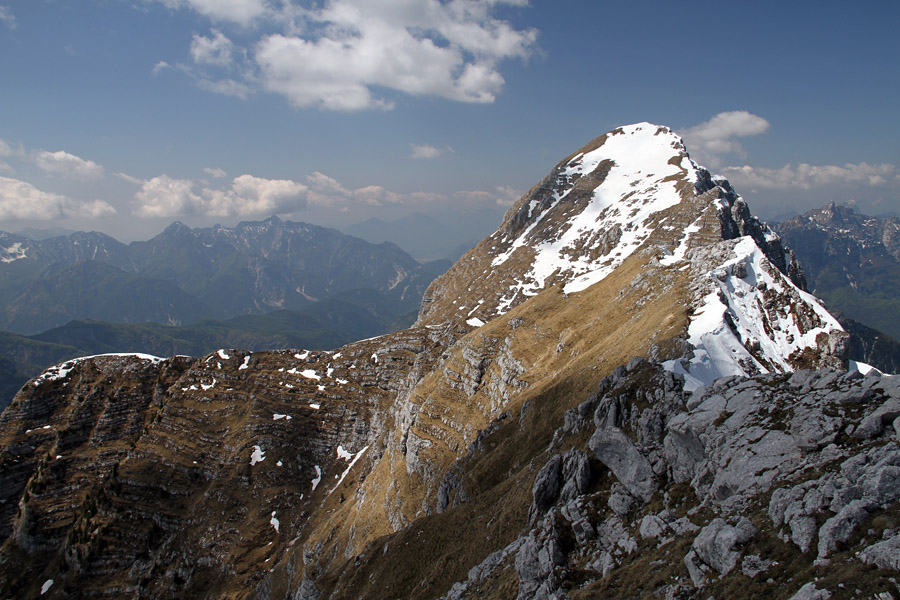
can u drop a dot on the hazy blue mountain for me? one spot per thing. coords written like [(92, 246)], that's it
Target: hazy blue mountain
[(35, 233), (422, 236), (185, 274), (95, 290), (332, 322), (851, 261)]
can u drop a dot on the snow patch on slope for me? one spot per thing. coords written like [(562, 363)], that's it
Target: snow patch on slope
[(13, 253), (634, 189), (258, 455), (61, 371), (356, 457)]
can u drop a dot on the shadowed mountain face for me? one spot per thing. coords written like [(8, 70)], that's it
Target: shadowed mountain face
[(184, 274), (507, 445), (852, 261)]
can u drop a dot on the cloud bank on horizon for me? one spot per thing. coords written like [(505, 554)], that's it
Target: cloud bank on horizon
[(710, 144)]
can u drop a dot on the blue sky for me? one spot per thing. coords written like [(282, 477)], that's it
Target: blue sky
[(124, 115)]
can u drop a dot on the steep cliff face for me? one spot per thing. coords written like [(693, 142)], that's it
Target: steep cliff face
[(444, 459)]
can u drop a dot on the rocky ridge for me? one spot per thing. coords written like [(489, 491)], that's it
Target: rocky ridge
[(754, 484), (498, 449)]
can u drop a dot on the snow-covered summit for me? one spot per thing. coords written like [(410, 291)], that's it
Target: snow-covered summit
[(639, 170), (636, 191)]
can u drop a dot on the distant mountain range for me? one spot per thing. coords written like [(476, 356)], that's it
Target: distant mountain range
[(183, 274), (851, 261), (338, 320)]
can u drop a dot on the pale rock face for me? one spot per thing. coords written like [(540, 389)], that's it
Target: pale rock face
[(761, 452)]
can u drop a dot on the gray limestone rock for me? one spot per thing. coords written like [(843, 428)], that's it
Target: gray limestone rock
[(620, 501), (583, 531), (840, 527), (562, 478), (603, 564), (885, 555), (576, 474), (616, 450), (753, 565), (715, 544), (811, 592), (651, 527), (528, 567), (306, 590), (683, 450), (873, 425), (696, 568), (545, 490), (803, 531)]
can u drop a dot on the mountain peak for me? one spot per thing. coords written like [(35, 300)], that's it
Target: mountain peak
[(476, 438), (177, 228), (593, 211), (633, 195)]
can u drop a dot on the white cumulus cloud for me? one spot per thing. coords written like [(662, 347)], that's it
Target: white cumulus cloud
[(327, 191), (215, 50), (226, 87), (501, 196), (250, 196), (340, 54), (160, 66), (709, 142), (806, 176), (215, 172), (64, 164), (164, 196), (255, 196), (20, 200)]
